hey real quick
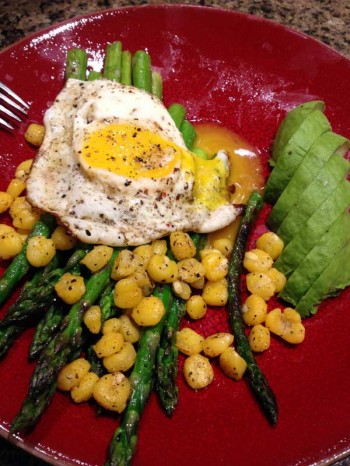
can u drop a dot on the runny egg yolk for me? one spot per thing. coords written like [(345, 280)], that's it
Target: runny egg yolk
[(131, 151)]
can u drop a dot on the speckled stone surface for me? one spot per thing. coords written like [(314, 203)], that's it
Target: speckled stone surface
[(325, 20)]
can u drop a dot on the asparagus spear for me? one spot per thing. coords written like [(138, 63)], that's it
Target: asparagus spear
[(34, 299), (76, 64), (108, 309), (93, 75), (66, 345), (257, 380), (157, 85), (113, 58), (141, 71), (125, 77), (124, 441), (188, 133), (20, 265), (167, 353), (47, 328), (177, 113)]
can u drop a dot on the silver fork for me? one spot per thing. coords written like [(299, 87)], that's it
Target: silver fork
[(14, 108)]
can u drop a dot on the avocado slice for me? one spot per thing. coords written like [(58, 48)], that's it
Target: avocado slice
[(333, 172), (291, 123), (317, 260), (315, 227), (313, 125), (332, 280), (319, 153)]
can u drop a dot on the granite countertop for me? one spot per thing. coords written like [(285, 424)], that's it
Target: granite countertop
[(325, 20)]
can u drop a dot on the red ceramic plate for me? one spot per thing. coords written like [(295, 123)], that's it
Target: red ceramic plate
[(244, 73)]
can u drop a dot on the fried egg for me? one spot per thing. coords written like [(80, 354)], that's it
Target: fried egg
[(114, 169)]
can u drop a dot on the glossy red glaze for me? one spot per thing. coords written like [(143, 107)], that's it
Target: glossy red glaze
[(245, 73)]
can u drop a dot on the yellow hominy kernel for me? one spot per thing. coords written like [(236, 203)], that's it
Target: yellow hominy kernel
[(190, 270), (24, 233), (129, 329), (216, 344), (261, 284), (198, 371), (259, 338), (18, 205), (215, 265), (196, 307), (161, 269), (35, 134), (198, 284), (278, 278), (286, 324), (97, 258), (181, 289), (71, 374), (70, 288), (159, 246), (232, 364), (112, 391), (189, 342), (93, 319), (40, 251), (127, 293), (121, 361), (182, 245), (254, 310), (111, 325), (83, 391), (224, 245), (25, 219), (143, 254), (148, 312), (124, 265), (10, 243), (63, 241), (270, 243), (257, 260), (16, 187), (5, 201), (143, 280), (215, 293), (23, 169), (6, 229), (109, 344)]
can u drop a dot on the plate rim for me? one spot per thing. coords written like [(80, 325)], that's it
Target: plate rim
[(4, 433)]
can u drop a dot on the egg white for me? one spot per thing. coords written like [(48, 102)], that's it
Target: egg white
[(97, 205)]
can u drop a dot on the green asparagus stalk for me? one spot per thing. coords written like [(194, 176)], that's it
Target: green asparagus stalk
[(108, 310), (76, 64), (188, 133), (124, 441), (177, 113), (141, 71), (66, 345), (34, 299), (20, 265), (125, 77), (47, 328), (167, 354), (157, 85), (257, 380), (93, 75), (113, 58)]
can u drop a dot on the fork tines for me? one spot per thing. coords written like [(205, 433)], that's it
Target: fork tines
[(12, 103)]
